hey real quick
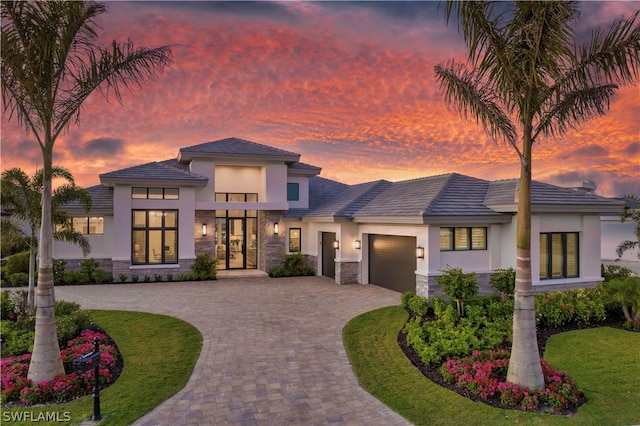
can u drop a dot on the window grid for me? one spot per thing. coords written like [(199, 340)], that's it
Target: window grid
[(460, 239), (154, 237), (236, 197), (295, 240), (559, 255), (88, 225), (143, 193)]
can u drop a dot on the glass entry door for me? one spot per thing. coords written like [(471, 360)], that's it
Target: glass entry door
[(236, 242)]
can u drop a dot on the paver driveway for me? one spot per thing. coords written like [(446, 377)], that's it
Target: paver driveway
[(272, 349)]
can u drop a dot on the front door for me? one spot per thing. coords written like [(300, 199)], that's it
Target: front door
[(328, 255), (236, 242)]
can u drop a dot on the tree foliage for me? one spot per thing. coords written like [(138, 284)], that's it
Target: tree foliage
[(526, 78), (50, 65)]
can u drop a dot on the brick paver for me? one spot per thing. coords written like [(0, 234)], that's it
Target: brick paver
[(272, 349)]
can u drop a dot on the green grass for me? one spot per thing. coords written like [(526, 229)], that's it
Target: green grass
[(604, 362), (159, 354)]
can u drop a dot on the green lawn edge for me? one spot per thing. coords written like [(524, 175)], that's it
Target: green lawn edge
[(383, 370), (160, 353)]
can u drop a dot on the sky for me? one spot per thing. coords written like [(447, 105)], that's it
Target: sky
[(348, 85)]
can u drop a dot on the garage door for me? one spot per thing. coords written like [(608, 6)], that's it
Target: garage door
[(392, 262)]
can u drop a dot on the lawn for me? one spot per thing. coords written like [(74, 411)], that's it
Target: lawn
[(159, 354), (603, 361)]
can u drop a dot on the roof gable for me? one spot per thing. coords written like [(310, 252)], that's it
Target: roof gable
[(153, 173), (234, 148)]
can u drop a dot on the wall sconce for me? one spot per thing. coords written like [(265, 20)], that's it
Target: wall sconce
[(276, 228), (357, 244), (204, 229), (336, 244), (420, 252)]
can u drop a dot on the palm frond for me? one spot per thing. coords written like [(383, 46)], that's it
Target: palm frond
[(573, 109), (70, 236), (464, 90)]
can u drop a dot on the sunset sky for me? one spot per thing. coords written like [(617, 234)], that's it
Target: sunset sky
[(348, 85)]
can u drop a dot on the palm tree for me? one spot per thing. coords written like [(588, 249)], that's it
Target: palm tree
[(50, 65), (22, 197), (525, 78), (631, 214)]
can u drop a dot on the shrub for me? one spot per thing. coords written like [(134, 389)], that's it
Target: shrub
[(18, 262), (123, 278), (169, 277), (58, 270), (70, 325), (458, 286), (66, 308), (157, 277), (503, 281), (204, 268), (19, 279), (7, 306), (292, 265), (70, 277), (100, 276), (183, 276), (581, 306), (626, 292), (611, 272), (88, 267), (134, 278), (419, 305), (405, 297)]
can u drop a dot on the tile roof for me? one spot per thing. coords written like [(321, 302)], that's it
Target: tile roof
[(350, 200), (446, 195), (321, 191), (154, 172), (101, 200), (236, 146), (503, 195)]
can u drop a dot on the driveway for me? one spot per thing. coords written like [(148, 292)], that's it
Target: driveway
[(272, 349)]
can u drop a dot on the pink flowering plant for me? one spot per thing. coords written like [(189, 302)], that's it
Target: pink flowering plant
[(16, 387), (484, 374)]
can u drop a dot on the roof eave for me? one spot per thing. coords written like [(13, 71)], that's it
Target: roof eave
[(185, 157), (153, 182)]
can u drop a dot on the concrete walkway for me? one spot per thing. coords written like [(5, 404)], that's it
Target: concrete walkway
[(272, 349)]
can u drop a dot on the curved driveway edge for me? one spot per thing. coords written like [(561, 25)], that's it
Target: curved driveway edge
[(272, 350)]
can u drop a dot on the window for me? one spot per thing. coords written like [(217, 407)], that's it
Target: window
[(155, 193), (295, 239), (88, 225), (559, 255), (293, 191), (463, 239), (154, 237), (232, 197)]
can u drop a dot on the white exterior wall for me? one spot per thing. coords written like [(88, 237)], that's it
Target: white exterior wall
[(207, 169), (303, 185), (101, 244), (588, 227)]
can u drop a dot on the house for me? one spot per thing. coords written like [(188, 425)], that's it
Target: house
[(614, 231), (246, 204)]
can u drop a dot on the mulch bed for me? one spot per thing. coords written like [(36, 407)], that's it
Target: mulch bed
[(433, 373)]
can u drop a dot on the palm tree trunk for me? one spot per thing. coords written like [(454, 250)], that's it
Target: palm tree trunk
[(46, 362), (32, 269), (525, 369)]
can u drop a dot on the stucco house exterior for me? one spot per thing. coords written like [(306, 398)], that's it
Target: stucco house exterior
[(247, 204)]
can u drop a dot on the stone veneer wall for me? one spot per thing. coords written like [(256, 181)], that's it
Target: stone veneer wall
[(124, 267), (271, 247), (347, 272), (428, 287), (311, 261), (205, 244)]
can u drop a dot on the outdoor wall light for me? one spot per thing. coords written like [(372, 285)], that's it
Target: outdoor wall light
[(420, 252), (276, 228), (357, 244), (336, 244), (204, 229)]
